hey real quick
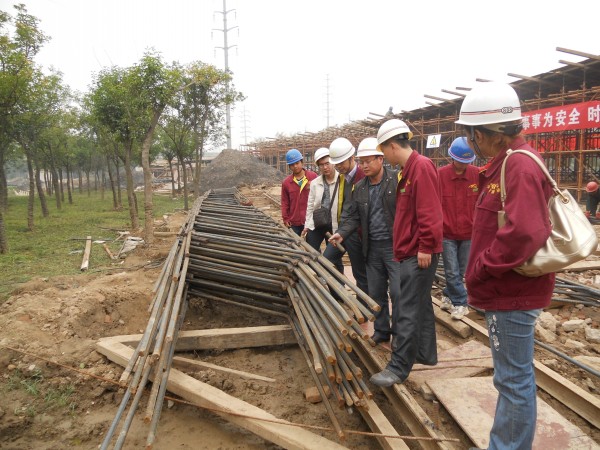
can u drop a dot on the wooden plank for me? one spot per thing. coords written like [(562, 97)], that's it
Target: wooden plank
[(466, 360), (472, 403), (583, 265), (457, 326), (568, 393), (85, 263), (404, 404), (224, 338), (379, 423), (206, 396), (194, 364)]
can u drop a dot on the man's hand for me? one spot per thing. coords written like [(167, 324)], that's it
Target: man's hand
[(288, 224), (336, 239), (304, 232), (424, 260)]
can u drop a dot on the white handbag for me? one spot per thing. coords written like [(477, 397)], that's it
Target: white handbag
[(572, 239)]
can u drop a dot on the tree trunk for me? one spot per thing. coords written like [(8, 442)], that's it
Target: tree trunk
[(31, 195), (148, 206), (80, 181), (40, 190), (69, 184), (118, 173), (102, 182), (3, 183), (88, 184), (56, 188), (172, 178), (3, 240), (47, 183), (185, 185), (130, 194), (61, 184), (112, 183)]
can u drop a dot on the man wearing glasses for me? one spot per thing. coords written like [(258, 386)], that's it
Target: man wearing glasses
[(372, 210)]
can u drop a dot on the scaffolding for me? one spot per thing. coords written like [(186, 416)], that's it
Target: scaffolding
[(572, 156)]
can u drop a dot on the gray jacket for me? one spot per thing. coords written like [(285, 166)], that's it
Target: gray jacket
[(355, 213)]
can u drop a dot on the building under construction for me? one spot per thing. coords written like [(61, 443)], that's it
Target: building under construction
[(561, 109)]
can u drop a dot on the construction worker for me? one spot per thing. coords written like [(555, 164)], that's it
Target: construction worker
[(323, 194), (341, 155), (491, 117), (294, 192), (593, 197), (417, 244), (458, 181), (372, 210)]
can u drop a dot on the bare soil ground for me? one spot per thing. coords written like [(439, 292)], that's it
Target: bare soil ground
[(57, 392)]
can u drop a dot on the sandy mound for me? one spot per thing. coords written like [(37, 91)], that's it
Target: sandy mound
[(233, 168)]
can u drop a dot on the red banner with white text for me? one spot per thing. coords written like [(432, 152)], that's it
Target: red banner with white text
[(561, 118)]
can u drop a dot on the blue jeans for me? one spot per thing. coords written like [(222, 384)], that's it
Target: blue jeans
[(353, 246), (315, 238), (413, 321), (511, 341), (383, 272), (455, 257)]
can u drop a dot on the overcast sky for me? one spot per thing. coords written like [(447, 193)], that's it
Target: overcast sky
[(290, 57)]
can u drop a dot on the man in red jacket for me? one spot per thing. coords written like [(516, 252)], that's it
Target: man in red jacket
[(458, 181), (417, 237), (294, 192)]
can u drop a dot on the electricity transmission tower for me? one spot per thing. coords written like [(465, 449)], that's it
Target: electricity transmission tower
[(226, 48), (327, 100)]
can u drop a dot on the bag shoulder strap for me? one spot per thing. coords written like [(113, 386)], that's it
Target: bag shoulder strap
[(335, 188), (539, 163)]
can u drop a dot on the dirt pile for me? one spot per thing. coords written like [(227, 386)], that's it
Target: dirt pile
[(233, 168)]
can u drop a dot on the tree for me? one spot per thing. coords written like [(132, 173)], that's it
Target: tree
[(17, 50)]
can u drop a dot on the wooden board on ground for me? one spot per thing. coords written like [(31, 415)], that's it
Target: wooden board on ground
[(224, 338), (257, 420), (457, 326), (466, 360), (583, 265), (194, 364), (472, 403)]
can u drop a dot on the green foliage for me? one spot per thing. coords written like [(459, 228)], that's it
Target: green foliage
[(51, 250), (44, 397)]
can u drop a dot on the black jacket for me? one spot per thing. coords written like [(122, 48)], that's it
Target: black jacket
[(355, 213)]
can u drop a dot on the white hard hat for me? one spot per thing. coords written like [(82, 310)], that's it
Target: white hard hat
[(368, 147), (321, 153), (391, 128), (490, 103), (340, 150)]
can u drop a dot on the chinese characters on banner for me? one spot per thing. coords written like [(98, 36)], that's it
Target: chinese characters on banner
[(561, 118)]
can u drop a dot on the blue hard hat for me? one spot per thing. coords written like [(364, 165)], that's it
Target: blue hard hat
[(460, 151), (293, 156)]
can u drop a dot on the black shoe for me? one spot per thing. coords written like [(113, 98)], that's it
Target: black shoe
[(379, 338), (385, 378)]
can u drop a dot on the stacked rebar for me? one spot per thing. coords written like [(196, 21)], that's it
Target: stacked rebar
[(154, 352), (239, 255), (229, 251)]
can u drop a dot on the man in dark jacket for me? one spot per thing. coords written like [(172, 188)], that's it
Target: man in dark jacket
[(372, 210)]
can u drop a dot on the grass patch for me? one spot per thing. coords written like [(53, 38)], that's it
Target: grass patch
[(53, 247), (44, 397)]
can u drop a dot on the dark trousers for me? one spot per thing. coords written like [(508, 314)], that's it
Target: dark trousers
[(297, 229), (315, 238), (591, 203), (383, 272), (413, 321), (353, 246)]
